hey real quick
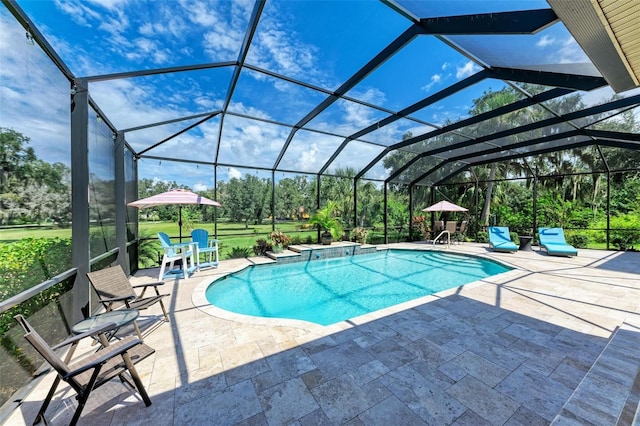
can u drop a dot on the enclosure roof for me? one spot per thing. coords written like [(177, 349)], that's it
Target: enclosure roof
[(398, 91)]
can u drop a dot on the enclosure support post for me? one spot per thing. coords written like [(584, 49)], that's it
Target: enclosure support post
[(273, 200), (608, 207), (535, 204), (215, 198), (606, 165), (318, 201), (477, 207), (121, 203), (386, 235), (80, 194), (355, 202), (432, 200), (411, 187)]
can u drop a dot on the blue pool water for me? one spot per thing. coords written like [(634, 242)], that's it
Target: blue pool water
[(333, 290)]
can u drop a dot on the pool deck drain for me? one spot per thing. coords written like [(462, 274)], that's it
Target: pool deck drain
[(510, 349)]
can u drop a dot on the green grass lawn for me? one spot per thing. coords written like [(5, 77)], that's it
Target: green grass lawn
[(231, 235)]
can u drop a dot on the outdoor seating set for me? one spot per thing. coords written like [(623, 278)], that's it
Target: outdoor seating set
[(201, 248), (456, 233), (112, 358), (551, 239)]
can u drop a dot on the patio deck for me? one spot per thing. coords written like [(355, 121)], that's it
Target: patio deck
[(507, 350)]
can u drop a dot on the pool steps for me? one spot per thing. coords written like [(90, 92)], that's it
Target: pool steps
[(610, 391), (305, 252)]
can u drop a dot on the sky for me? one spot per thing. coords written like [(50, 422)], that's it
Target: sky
[(319, 43)]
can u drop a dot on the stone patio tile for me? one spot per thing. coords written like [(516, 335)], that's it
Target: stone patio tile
[(235, 403), (609, 396), (391, 354), (584, 347), (523, 332), (425, 398), (242, 362), (430, 353), (315, 418), (499, 355), (412, 326), (342, 399), (319, 345), (368, 372), (570, 372), (539, 357), (469, 363), (257, 420), (433, 309), (287, 402), (470, 418), (526, 417), (584, 413), (535, 391), (374, 332), (284, 366), (490, 404), (616, 368), (160, 413), (447, 328), (432, 374), (391, 412), (199, 386), (340, 359)]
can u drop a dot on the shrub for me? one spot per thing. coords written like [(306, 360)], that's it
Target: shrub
[(277, 237), (239, 253), (578, 240), (359, 235), (262, 247)]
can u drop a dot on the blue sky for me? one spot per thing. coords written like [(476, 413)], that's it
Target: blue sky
[(321, 43)]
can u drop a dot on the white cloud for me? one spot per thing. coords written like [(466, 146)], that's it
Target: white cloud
[(466, 70), (197, 187), (309, 156), (545, 41), (571, 52), (435, 79), (234, 173)]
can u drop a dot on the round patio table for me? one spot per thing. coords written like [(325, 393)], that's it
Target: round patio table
[(120, 318)]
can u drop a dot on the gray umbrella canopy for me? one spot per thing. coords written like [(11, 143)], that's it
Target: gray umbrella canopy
[(445, 206), (178, 197)]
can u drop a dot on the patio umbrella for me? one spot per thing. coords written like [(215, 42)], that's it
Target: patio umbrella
[(175, 196), (445, 206)]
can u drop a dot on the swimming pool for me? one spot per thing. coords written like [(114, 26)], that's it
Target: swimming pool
[(333, 290)]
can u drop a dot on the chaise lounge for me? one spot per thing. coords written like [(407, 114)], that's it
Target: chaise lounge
[(500, 240), (553, 241)]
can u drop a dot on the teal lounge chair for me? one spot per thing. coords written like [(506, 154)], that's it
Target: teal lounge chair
[(500, 240), (552, 240)]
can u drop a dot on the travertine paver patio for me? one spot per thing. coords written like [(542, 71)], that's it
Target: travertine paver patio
[(509, 350)]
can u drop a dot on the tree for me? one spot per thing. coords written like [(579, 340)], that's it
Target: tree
[(293, 197), (31, 190), (246, 199)]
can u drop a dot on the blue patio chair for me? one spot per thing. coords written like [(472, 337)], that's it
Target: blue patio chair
[(176, 251), (553, 241), (205, 247), (500, 240)]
